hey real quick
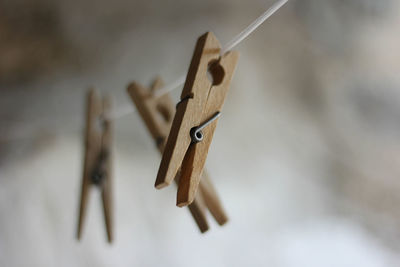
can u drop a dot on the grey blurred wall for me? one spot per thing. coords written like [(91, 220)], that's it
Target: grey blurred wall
[(305, 158)]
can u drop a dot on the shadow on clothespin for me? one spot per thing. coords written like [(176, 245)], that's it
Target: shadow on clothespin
[(196, 117), (157, 113), (97, 162)]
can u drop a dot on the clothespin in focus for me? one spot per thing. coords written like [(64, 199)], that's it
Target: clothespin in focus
[(196, 117), (157, 113), (97, 162)]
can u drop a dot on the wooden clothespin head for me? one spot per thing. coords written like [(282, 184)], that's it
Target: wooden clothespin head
[(157, 113), (97, 162), (202, 98)]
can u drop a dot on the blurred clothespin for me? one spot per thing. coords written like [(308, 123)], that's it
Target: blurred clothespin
[(157, 113), (97, 162), (196, 117)]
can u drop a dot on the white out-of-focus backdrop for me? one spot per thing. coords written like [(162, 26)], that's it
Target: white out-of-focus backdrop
[(306, 157)]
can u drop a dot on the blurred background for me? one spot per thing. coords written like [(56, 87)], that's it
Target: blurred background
[(306, 157)]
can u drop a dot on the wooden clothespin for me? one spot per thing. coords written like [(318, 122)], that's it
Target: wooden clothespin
[(157, 113), (97, 163), (196, 117)]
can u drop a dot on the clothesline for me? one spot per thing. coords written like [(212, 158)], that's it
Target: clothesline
[(121, 112)]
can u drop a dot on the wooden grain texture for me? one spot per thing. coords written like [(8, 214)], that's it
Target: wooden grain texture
[(201, 98), (157, 113)]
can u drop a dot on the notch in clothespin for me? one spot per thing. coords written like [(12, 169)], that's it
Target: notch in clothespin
[(97, 162), (203, 95), (157, 113)]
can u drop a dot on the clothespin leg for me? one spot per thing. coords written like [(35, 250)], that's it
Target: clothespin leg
[(197, 209), (107, 183), (156, 84), (190, 172), (107, 208), (83, 207), (169, 168), (211, 199)]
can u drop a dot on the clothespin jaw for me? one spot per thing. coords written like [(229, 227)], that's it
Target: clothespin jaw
[(97, 162), (157, 113), (201, 102)]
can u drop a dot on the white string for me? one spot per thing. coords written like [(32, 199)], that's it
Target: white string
[(254, 25), (118, 113), (231, 44), (170, 87)]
